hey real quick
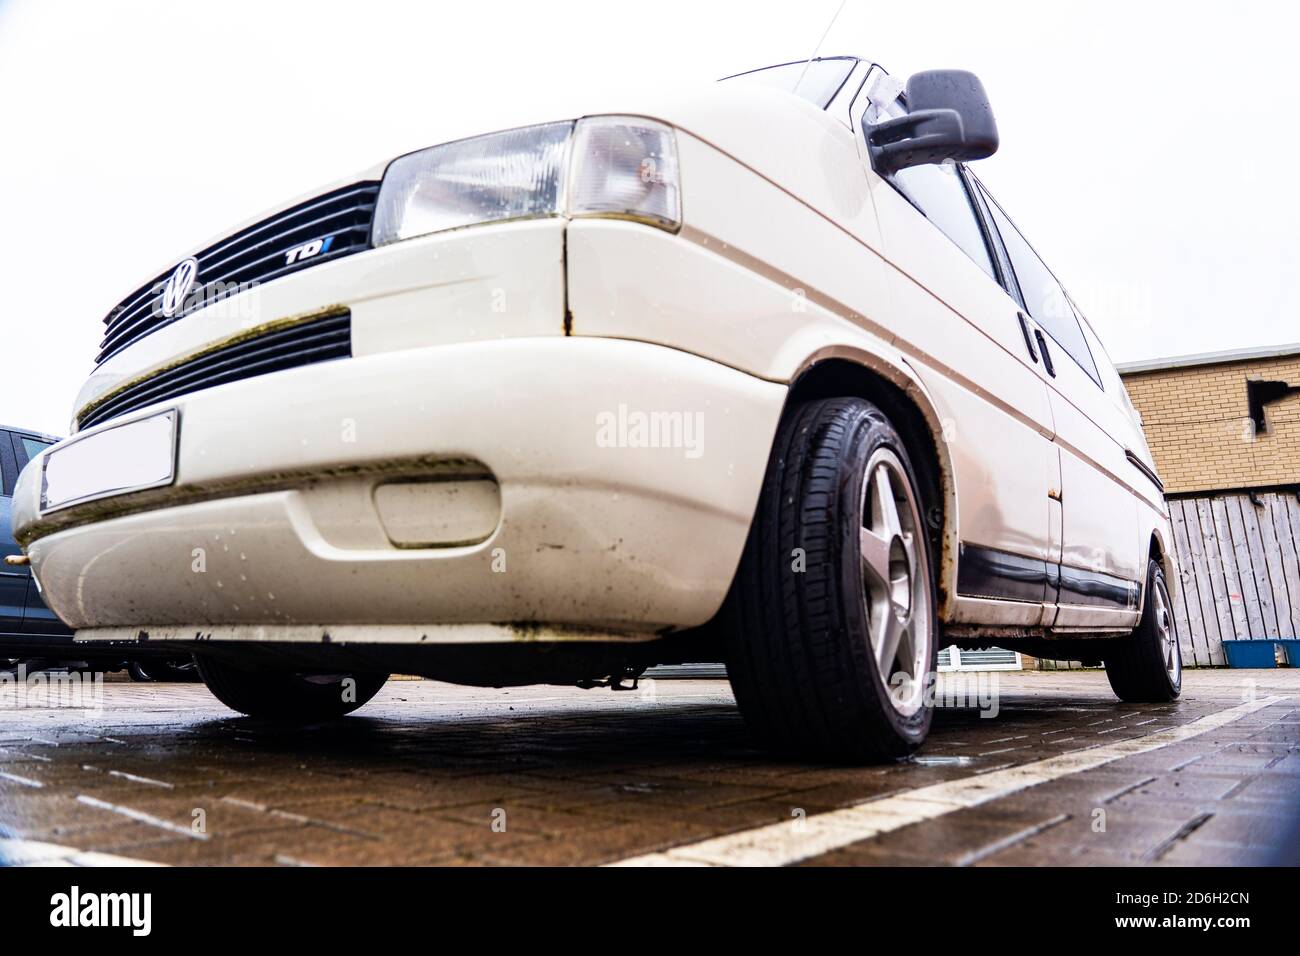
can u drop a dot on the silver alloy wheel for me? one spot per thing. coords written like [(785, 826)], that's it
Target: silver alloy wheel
[(1170, 652), (896, 575)]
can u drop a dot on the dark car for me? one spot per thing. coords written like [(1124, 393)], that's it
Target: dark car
[(29, 631), (27, 627)]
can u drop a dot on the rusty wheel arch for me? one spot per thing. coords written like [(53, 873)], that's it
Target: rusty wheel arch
[(899, 397)]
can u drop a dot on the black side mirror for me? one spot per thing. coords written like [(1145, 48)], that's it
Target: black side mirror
[(948, 117)]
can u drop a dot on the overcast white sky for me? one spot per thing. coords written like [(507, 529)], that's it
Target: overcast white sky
[(1148, 148)]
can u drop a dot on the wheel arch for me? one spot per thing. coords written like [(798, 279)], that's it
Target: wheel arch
[(1161, 550), (895, 388)]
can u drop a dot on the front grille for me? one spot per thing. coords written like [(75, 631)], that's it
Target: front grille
[(254, 255), (305, 343)]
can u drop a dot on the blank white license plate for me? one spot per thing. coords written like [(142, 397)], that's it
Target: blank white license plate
[(130, 457)]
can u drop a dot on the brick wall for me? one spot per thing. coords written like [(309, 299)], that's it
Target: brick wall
[(1199, 428)]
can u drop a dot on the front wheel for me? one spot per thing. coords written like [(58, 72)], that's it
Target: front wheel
[(831, 623), (288, 695), (1147, 666)]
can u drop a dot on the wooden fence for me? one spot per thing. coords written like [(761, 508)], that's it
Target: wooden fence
[(1237, 555)]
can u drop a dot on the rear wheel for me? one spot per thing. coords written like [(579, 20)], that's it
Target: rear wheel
[(831, 625), (163, 670), (1147, 666), (288, 695)]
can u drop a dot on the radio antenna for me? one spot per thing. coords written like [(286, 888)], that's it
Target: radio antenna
[(817, 49)]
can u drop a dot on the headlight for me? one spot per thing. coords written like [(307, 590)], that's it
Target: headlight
[(609, 166), (518, 174)]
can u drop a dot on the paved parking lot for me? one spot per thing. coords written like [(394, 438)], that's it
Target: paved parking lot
[(430, 773)]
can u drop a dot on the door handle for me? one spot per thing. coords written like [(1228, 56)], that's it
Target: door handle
[(1029, 342), (1047, 356)]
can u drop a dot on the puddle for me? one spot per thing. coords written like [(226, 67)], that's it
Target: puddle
[(938, 761)]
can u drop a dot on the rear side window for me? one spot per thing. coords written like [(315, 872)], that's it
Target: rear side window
[(1043, 296), (941, 196), (1111, 383)]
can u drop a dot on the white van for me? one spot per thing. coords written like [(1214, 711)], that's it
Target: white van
[(759, 374)]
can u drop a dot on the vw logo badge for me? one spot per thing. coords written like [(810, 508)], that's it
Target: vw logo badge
[(178, 286)]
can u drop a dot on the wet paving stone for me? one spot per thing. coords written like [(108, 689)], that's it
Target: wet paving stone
[(432, 774)]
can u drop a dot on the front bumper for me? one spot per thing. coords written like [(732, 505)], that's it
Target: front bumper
[(272, 527)]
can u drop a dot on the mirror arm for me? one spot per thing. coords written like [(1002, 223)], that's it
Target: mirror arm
[(909, 125), (907, 135)]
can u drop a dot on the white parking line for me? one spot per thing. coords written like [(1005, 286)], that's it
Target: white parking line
[(24, 781), (793, 840), (136, 778), (15, 852), (24, 755), (140, 816)]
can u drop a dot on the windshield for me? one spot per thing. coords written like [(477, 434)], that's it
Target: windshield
[(815, 80)]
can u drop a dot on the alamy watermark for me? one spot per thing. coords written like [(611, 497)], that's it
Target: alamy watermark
[(968, 690), (633, 428), (133, 911), (234, 300), (44, 690)]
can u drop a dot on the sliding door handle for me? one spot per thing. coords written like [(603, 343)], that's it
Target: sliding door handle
[(1047, 356), (1029, 342)]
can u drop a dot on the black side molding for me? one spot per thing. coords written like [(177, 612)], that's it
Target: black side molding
[(986, 573), (1094, 589), (1003, 576), (1143, 467)]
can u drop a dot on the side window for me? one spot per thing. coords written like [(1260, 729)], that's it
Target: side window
[(8, 469), (941, 196), (28, 448), (937, 191), (1111, 383), (1042, 295)]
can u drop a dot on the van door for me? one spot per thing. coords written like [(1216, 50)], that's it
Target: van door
[(960, 330), (13, 581), (1101, 569)]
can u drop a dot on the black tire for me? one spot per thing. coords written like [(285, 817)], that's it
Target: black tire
[(799, 644), (1147, 667), (171, 671), (286, 695), (137, 673)]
